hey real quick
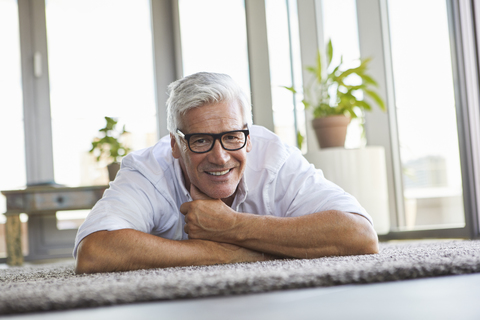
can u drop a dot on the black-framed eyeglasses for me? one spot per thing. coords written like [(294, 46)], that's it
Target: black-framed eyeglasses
[(204, 142)]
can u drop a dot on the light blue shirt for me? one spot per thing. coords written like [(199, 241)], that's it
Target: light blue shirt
[(149, 189)]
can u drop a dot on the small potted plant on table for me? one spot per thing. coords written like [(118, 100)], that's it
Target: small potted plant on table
[(109, 147), (334, 101)]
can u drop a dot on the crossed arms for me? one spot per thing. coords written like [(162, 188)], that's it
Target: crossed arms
[(218, 234)]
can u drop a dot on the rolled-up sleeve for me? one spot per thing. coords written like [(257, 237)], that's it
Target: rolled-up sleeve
[(125, 205)]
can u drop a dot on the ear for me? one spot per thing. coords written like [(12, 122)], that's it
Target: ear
[(249, 144), (175, 146)]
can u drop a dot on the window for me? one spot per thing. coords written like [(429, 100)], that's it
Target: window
[(100, 64), (340, 26), (214, 38), (285, 70), (12, 168), (426, 116)]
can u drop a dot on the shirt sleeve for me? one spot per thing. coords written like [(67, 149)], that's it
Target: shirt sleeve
[(127, 204), (302, 189)]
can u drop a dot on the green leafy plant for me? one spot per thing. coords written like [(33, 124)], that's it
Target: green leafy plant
[(108, 145), (329, 93)]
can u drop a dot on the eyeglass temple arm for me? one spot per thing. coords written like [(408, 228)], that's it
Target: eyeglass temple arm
[(180, 133)]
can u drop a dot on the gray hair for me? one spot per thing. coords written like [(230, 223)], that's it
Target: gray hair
[(200, 89)]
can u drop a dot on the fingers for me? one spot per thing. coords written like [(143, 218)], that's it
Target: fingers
[(196, 194), (184, 208)]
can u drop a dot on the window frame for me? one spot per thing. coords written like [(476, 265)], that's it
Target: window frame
[(381, 129), (36, 92)]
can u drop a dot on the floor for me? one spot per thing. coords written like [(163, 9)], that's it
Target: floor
[(450, 297)]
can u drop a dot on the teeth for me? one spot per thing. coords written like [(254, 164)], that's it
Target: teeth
[(219, 173)]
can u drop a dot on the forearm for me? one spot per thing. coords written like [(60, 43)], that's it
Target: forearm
[(128, 249), (320, 234)]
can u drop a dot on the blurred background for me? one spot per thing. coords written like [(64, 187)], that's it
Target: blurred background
[(66, 64)]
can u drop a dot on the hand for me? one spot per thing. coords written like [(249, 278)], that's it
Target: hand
[(207, 218)]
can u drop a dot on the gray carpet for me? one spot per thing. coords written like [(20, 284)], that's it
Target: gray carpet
[(56, 287)]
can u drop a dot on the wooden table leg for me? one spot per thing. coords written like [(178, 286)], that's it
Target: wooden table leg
[(13, 233)]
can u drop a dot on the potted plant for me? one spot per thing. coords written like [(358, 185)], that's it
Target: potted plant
[(334, 100), (109, 147)]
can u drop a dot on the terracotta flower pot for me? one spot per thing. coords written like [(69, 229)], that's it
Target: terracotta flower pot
[(112, 170), (331, 131)]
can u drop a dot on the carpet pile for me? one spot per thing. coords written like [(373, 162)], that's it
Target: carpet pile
[(56, 287)]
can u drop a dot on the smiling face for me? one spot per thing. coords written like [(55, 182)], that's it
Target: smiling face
[(217, 172)]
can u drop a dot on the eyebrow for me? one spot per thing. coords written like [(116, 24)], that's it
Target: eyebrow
[(245, 127)]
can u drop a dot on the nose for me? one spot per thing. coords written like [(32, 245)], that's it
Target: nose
[(218, 155)]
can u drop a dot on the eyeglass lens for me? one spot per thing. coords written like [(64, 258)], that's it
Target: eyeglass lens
[(230, 141)]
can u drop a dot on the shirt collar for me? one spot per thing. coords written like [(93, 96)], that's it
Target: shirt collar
[(180, 181), (242, 192)]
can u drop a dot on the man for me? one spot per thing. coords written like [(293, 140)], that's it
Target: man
[(218, 190)]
